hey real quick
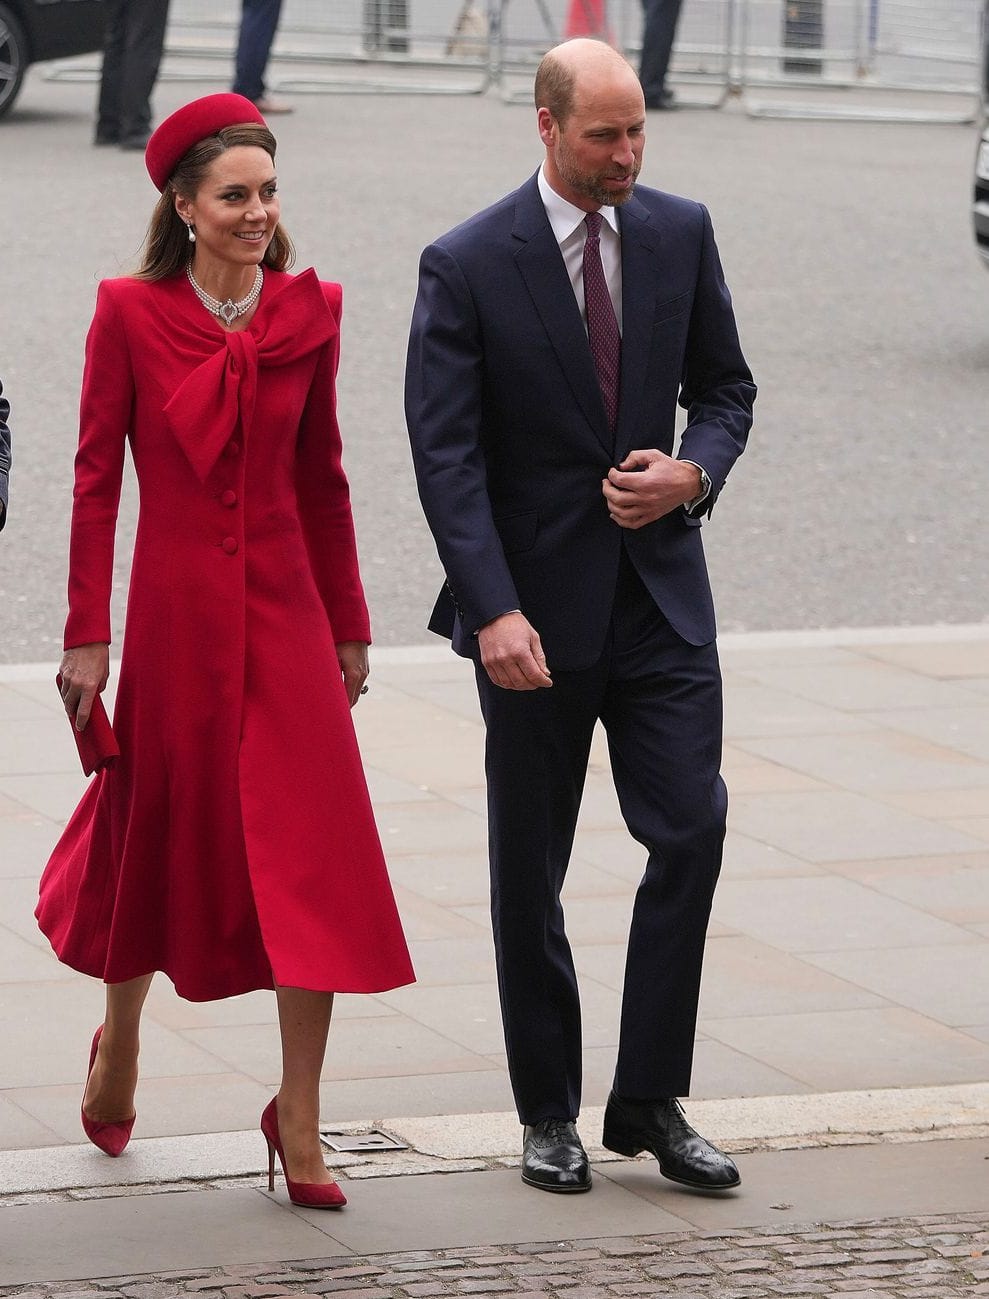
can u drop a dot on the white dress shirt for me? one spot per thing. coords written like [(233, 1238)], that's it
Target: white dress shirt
[(568, 225)]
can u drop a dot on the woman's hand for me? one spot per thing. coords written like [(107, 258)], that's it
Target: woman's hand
[(352, 657), (85, 671)]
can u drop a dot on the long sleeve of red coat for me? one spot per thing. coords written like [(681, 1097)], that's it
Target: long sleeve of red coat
[(105, 415), (324, 496)]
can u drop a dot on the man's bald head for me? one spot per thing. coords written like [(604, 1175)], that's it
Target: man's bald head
[(576, 67)]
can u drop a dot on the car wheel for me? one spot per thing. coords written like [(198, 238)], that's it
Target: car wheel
[(13, 58)]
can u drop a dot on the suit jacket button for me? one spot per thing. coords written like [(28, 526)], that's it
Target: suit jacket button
[(229, 544), (228, 498)]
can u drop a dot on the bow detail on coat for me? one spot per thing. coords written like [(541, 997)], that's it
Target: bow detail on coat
[(220, 394)]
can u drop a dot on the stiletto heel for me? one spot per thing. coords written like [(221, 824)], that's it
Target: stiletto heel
[(111, 1138), (308, 1195), (271, 1165)]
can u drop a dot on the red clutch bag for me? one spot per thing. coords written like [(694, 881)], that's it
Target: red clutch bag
[(97, 744)]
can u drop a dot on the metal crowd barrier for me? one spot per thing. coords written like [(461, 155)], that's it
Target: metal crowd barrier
[(801, 58), (431, 47), (921, 50)]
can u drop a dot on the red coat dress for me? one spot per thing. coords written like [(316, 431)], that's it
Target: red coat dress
[(233, 843)]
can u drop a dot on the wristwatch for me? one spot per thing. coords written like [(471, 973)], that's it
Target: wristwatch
[(705, 485)]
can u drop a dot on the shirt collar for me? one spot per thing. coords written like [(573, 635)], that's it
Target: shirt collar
[(564, 217)]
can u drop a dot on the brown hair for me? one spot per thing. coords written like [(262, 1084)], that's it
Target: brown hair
[(166, 246), (555, 85)]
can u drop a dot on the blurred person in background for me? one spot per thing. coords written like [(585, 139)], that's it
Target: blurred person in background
[(258, 24), (132, 47), (658, 35)]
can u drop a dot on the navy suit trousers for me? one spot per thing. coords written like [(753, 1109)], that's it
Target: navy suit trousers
[(659, 699)]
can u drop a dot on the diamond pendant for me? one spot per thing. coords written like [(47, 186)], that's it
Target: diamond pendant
[(228, 311)]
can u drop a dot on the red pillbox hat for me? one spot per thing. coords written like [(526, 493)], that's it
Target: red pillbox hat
[(188, 125)]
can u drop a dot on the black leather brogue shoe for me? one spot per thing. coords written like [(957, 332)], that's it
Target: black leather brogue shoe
[(553, 1158), (662, 1128)]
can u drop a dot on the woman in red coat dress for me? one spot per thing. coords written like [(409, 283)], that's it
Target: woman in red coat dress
[(232, 845)]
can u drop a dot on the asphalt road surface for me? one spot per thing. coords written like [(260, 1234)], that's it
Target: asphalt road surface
[(863, 311)]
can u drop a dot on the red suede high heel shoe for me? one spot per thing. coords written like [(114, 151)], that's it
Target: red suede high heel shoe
[(111, 1138), (308, 1195)]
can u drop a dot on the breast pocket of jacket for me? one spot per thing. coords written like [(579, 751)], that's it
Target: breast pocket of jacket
[(517, 531), (671, 309)]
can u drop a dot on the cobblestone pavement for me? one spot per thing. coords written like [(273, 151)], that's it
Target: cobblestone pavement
[(920, 1258)]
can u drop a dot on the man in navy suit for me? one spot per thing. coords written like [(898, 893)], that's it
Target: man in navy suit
[(552, 337)]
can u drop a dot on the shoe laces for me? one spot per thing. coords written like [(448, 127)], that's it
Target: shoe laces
[(558, 1131), (677, 1121)]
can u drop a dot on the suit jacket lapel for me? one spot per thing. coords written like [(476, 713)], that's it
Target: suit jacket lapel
[(640, 243), (541, 266)]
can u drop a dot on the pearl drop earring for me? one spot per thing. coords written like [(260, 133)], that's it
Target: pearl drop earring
[(192, 233)]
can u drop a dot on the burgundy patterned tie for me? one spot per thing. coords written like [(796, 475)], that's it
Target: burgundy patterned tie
[(602, 323)]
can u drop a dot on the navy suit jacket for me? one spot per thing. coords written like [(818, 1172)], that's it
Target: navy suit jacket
[(509, 434), (4, 455)]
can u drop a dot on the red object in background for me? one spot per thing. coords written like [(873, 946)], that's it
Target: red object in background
[(587, 18)]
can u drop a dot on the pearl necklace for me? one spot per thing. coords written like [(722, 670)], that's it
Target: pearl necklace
[(227, 311)]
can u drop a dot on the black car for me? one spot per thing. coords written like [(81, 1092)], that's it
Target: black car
[(33, 30), (980, 206)]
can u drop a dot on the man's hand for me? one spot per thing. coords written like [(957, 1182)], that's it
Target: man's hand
[(512, 653), (85, 671), (647, 485), (352, 657)]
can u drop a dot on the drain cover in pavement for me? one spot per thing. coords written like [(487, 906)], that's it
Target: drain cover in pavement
[(360, 1141)]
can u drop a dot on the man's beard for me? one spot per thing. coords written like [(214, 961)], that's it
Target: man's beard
[(592, 186)]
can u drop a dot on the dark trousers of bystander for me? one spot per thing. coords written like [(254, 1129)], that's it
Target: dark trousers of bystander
[(658, 34), (258, 24), (135, 36)]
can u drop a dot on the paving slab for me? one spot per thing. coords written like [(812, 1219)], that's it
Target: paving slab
[(180, 1104), (832, 825), (964, 660), (850, 1194), (877, 761), (487, 1208), (19, 1129), (964, 728), (368, 1100), (361, 1048), (862, 686), (745, 976), (828, 913), (947, 984), (140, 1234), (884, 1047), (840, 1184)]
